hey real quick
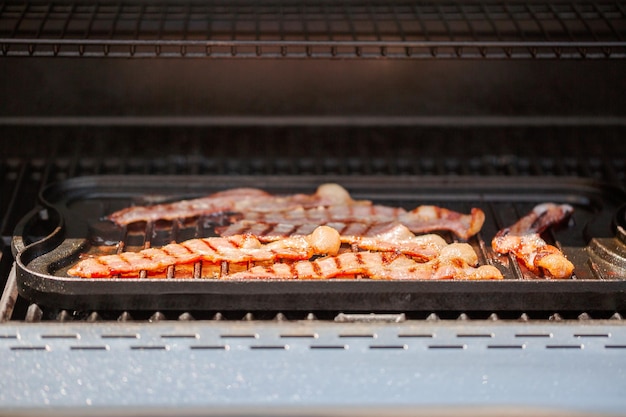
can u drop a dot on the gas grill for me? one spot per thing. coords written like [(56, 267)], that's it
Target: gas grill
[(497, 105)]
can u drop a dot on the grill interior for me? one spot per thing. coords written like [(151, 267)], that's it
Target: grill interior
[(24, 176)]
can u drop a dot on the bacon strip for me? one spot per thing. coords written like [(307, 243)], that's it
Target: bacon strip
[(236, 249), (523, 240), (387, 237), (355, 220), (234, 200), (368, 212), (456, 261), (398, 238), (331, 203), (425, 219), (246, 248)]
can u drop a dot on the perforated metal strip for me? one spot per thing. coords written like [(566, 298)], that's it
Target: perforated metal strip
[(573, 366)]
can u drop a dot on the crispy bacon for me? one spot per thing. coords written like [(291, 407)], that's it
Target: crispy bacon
[(235, 200), (456, 261), (236, 249), (355, 221), (523, 240)]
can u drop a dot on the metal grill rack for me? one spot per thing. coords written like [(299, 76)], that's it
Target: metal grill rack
[(329, 30)]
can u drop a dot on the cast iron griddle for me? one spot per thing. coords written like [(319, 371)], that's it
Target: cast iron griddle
[(72, 212)]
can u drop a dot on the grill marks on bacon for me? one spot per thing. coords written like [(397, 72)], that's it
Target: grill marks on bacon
[(456, 261), (354, 220), (246, 248), (331, 205), (290, 225), (234, 200), (234, 249), (523, 240), (396, 243)]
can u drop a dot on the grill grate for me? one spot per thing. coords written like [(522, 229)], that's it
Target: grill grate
[(399, 29)]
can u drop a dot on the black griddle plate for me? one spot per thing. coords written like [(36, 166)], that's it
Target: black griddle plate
[(70, 223)]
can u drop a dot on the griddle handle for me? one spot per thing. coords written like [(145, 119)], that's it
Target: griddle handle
[(28, 222)]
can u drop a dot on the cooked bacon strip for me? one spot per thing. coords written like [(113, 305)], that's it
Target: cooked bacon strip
[(456, 261), (399, 239), (235, 200), (388, 237), (355, 220), (331, 203), (371, 213), (523, 240), (425, 219), (244, 248), (236, 249)]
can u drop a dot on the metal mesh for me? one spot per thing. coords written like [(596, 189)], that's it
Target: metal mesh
[(396, 29)]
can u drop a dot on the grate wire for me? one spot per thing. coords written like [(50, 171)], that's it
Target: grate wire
[(247, 29)]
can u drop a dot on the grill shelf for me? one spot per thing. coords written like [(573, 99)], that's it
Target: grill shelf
[(80, 204), (347, 30)]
